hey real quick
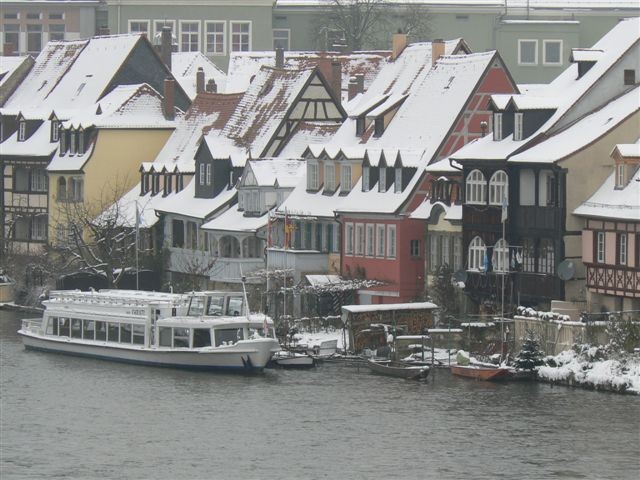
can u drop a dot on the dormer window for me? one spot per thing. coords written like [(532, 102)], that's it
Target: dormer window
[(312, 176), (72, 143), (208, 175), (379, 127), (345, 178), (63, 142), (80, 142), (629, 77), (155, 187), (382, 181), (55, 131), (22, 130), (497, 126), (517, 127), (360, 125), (397, 188), (202, 173), (366, 178), (620, 175), (329, 177)]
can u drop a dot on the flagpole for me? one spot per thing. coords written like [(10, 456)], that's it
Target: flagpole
[(137, 242), (505, 207)]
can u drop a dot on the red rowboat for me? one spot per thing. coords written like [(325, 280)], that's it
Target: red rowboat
[(481, 372)]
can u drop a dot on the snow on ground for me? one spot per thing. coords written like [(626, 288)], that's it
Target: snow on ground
[(315, 339), (585, 369)]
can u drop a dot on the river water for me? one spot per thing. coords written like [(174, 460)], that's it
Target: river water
[(66, 417)]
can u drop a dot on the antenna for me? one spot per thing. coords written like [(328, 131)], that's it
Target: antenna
[(566, 270)]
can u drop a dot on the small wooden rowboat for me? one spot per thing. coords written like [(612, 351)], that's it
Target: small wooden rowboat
[(481, 372), (287, 359), (398, 369)]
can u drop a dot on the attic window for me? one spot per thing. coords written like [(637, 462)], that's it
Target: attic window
[(379, 127), (22, 130), (397, 184), (80, 142), (72, 143), (359, 126), (517, 129), (629, 77), (365, 179), (620, 175), (497, 126), (55, 131), (382, 180)]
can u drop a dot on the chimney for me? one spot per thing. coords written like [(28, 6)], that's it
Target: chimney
[(165, 46), (279, 57), (437, 50), (169, 98), (200, 80), (360, 82), (103, 31), (398, 44), (211, 86), (356, 86), (336, 79)]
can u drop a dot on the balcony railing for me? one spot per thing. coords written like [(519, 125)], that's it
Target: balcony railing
[(536, 218), (615, 280), (298, 261), (525, 285)]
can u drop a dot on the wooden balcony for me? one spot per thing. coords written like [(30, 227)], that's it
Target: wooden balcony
[(614, 280), (518, 285), (537, 218)]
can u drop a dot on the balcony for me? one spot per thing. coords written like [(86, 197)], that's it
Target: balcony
[(299, 261), (614, 280), (537, 218), (232, 269), (219, 269), (518, 285)]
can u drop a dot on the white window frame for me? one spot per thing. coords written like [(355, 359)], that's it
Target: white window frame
[(38, 227), (434, 252), (622, 248), (202, 173), (498, 187), (199, 34), (497, 126), (348, 239), (345, 178), (476, 253), (518, 124), (369, 240), (544, 52), (140, 21), (38, 180), (312, 175), (249, 34), (208, 174), (620, 175), (22, 130), (381, 235), (476, 188), (397, 182), (329, 176), (360, 239), (55, 131), (224, 37), (382, 179), (392, 240), (500, 258), (527, 40), (288, 30), (366, 170), (600, 244)]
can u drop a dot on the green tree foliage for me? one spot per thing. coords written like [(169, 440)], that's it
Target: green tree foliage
[(444, 292), (530, 355)]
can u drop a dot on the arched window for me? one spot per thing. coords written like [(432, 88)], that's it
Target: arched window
[(477, 252), (476, 192), (498, 187), (229, 247), (500, 258), (62, 189)]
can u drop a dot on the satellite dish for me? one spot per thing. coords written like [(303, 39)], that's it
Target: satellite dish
[(460, 276), (566, 270)]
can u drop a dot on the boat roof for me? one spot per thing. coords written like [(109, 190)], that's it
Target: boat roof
[(257, 319)]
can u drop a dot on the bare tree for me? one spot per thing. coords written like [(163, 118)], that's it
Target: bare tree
[(97, 237), (361, 24)]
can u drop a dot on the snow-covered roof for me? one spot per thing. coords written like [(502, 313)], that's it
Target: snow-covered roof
[(308, 133), (243, 66), (68, 162), (424, 210), (628, 149), (614, 203), (8, 65), (208, 111), (446, 165), (564, 92), (269, 171), (37, 145), (582, 133), (532, 5), (307, 204), (186, 204), (585, 55), (389, 306), (234, 220), (321, 280), (184, 66)]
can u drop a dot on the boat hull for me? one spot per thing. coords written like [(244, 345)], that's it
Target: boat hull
[(481, 373), (239, 358), (396, 369)]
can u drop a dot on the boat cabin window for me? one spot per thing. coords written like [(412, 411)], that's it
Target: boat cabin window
[(125, 333), (101, 331), (196, 306), (88, 329), (235, 306), (180, 337), (76, 328), (216, 306), (259, 332), (113, 332), (52, 326), (138, 334), (63, 326), (164, 339), (228, 336), (201, 337)]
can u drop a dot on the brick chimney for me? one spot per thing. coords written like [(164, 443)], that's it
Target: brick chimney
[(336, 78), (356, 86), (165, 46), (211, 86), (437, 50), (169, 98), (398, 44), (200, 80), (279, 57)]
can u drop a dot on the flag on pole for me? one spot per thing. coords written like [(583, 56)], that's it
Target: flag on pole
[(505, 208)]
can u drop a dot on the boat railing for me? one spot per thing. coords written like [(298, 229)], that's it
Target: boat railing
[(32, 325), (107, 299)]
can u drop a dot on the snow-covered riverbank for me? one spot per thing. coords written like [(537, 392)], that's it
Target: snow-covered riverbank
[(588, 368)]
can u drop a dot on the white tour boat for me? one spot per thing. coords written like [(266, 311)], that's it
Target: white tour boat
[(199, 330)]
